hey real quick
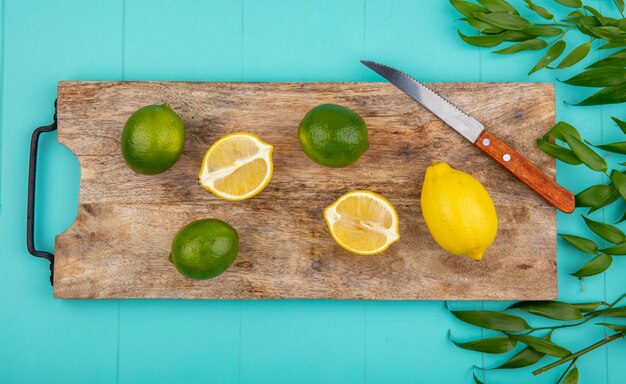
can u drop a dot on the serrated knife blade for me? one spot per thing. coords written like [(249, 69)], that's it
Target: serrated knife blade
[(475, 132), (464, 124)]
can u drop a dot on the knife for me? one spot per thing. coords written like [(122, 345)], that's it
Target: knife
[(475, 132)]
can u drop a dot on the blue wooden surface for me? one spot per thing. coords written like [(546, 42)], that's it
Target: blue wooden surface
[(154, 341)]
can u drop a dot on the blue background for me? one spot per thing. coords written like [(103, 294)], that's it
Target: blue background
[(43, 340)]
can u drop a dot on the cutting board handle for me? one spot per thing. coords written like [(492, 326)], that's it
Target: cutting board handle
[(527, 172), (32, 177)]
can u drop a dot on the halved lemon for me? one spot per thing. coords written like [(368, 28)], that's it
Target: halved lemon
[(363, 222), (237, 166)]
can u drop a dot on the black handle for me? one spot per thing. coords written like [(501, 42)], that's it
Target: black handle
[(32, 176)]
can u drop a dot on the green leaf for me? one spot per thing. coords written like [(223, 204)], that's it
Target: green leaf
[(553, 53), (518, 36), (597, 265), (498, 6), (611, 312), (597, 14), (570, 3), (619, 180), (551, 309), (561, 127), (574, 16), (606, 231), (523, 358), (614, 327), (476, 381), (599, 77), (618, 59), (616, 250), (467, 8), (588, 307), (532, 44), (572, 376), (597, 196), (484, 40), (611, 45), (492, 320), (621, 124), (542, 30), (541, 11), (580, 243), (585, 154), (622, 218), (614, 147), (610, 95), (503, 20), (558, 152), (620, 5), (541, 345), (576, 55), (495, 345), (584, 29), (481, 25), (608, 33)]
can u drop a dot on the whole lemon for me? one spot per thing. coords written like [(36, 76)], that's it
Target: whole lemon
[(458, 211)]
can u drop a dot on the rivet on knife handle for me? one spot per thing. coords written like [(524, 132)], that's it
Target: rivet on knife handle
[(527, 172)]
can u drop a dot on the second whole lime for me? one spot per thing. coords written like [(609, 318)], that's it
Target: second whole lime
[(204, 248), (153, 139), (333, 135)]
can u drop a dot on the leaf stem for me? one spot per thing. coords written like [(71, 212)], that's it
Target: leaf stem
[(554, 24), (566, 370), (618, 8), (576, 355), (591, 316), (562, 325), (609, 306)]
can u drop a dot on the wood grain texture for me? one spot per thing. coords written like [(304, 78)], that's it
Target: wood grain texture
[(119, 243), (526, 172)]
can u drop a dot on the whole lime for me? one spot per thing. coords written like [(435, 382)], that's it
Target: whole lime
[(153, 139), (333, 135), (204, 248)]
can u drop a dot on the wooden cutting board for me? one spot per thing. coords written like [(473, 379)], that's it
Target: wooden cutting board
[(119, 244)]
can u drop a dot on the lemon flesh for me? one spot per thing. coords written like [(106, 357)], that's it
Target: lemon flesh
[(458, 211), (363, 222), (237, 166)]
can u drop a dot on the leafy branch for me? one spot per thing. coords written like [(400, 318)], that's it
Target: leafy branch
[(515, 330), (498, 22), (578, 152)]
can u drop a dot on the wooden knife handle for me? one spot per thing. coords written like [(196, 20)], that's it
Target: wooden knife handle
[(527, 172)]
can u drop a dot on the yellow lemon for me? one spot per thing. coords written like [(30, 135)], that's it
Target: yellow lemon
[(237, 166), (458, 211), (362, 222)]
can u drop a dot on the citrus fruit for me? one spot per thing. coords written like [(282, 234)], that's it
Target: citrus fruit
[(237, 166), (333, 135), (153, 139), (458, 211), (362, 222), (204, 248)]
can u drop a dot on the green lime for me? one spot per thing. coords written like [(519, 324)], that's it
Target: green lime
[(153, 139), (333, 135), (204, 248)]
